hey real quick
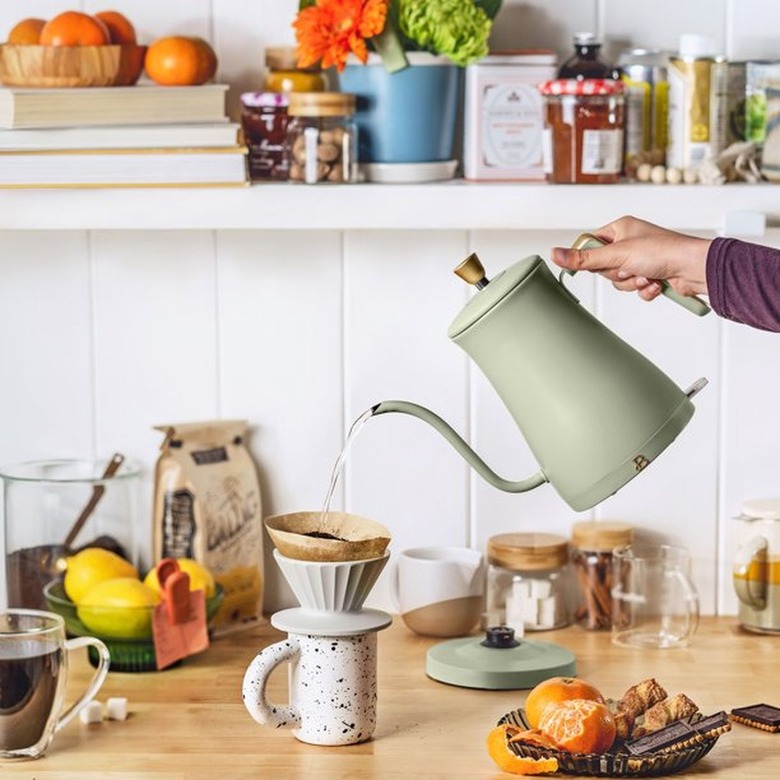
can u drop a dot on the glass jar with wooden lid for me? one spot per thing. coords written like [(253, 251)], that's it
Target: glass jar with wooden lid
[(284, 74), (593, 542), (321, 137), (528, 582)]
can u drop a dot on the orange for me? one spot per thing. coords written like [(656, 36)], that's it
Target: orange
[(554, 691), (580, 725), (120, 28), (501, 753), (27, 32), (73, 28), (180, 60)]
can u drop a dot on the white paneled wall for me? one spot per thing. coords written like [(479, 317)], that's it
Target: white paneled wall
[(107, 333)]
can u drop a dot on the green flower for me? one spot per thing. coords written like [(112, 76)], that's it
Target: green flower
[(458, 29)]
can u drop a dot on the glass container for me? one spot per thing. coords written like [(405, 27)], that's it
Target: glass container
[(321, 138), (593, 545), (584, 123), (44, 501), (284, 74), (586, 62), (264, 122), (528, 582)]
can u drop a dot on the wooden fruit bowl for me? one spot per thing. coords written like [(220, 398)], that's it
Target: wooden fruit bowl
[(70, 66)]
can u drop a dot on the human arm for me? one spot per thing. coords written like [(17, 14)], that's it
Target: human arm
[(742, 279), (638, 253)]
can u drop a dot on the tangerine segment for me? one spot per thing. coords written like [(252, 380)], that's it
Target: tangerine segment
[(73, 28), (556, 690), (27, 32), (580, 725), (500, 752), (120, 28)]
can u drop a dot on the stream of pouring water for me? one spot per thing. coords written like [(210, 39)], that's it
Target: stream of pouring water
[(339, 466)]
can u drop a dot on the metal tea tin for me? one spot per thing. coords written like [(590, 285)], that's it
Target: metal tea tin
[(645, 74)]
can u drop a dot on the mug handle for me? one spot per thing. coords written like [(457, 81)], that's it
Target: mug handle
[(104, 661), (692, 600), (691, 302), (753, 552), (256, 679), (395, 587)]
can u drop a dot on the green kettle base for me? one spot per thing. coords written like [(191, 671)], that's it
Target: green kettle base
[(498, 661)]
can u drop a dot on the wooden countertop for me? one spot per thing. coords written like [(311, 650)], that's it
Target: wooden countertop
[(189, 722)]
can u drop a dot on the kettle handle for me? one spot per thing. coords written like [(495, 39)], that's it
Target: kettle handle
[(691, 302)]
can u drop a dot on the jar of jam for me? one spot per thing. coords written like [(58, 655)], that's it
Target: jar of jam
[(284, 75), (264, 122), (321, 138), (593, 542), (583, 137)]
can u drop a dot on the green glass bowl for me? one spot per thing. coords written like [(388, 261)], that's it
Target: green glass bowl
[(127, 655)]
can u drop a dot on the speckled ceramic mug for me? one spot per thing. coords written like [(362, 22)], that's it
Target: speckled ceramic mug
[(332, 685)]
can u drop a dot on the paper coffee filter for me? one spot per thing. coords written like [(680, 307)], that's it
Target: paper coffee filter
[(334, 536), (331, 586)]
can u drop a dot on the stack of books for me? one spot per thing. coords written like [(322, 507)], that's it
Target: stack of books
[(139, 136)]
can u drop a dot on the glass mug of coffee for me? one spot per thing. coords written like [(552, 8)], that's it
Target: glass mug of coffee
[(33, 679)]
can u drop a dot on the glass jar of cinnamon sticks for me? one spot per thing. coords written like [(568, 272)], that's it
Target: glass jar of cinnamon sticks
[(593, 542)]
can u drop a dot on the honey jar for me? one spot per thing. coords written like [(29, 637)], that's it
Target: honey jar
[(321, 138), (583, 137), (284, 75)]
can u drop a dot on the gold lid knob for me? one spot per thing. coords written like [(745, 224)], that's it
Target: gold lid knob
[(472, 271)]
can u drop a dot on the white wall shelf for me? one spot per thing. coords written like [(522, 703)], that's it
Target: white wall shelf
[(455, 205)]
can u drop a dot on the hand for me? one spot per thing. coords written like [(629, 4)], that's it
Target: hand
[(639, 255)]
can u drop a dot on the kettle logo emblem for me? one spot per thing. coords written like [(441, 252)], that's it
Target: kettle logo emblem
[(640, 461)]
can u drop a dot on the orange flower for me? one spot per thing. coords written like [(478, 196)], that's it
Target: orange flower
[(328, 31)]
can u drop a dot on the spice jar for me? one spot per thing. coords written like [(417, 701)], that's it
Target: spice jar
[(593, 543), (264, 122), (528, 582), (284, 75), (321, 137), (583, 137)]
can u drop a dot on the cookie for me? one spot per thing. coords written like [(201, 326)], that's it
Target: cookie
[(668, 737), (760, 716), (712, 725)]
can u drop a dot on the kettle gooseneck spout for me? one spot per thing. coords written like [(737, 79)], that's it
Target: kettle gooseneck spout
[(456, 441)]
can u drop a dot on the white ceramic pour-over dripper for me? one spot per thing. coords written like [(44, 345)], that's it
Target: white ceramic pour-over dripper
[(331, 586)]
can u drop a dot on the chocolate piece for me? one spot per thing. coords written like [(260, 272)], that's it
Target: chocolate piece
[(712, 725), (759, 716), (660, 740)]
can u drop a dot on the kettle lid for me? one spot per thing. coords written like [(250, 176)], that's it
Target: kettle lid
[(491, 294)]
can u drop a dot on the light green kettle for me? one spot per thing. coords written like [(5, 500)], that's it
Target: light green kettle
[(593, 410)]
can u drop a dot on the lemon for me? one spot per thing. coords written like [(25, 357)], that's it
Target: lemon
[(120, 607), (200, 577), (91, 566)]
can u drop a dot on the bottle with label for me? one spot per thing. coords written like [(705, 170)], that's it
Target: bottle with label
[(586, 62), (698, 103)]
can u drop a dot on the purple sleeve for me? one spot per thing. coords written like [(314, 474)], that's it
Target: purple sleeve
[(743, 282)]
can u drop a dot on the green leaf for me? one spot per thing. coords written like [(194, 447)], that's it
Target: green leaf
[(305, 4), (490, 7), (388, 45)]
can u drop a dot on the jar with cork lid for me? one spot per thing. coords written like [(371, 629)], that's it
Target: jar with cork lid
[(529, 585), (321, 137), (593, 542), (284, 74)]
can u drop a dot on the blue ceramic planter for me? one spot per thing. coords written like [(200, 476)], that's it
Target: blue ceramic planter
[(408, 116)]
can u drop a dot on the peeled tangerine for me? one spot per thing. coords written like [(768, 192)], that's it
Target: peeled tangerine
[(580, 725), (119, 608)]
